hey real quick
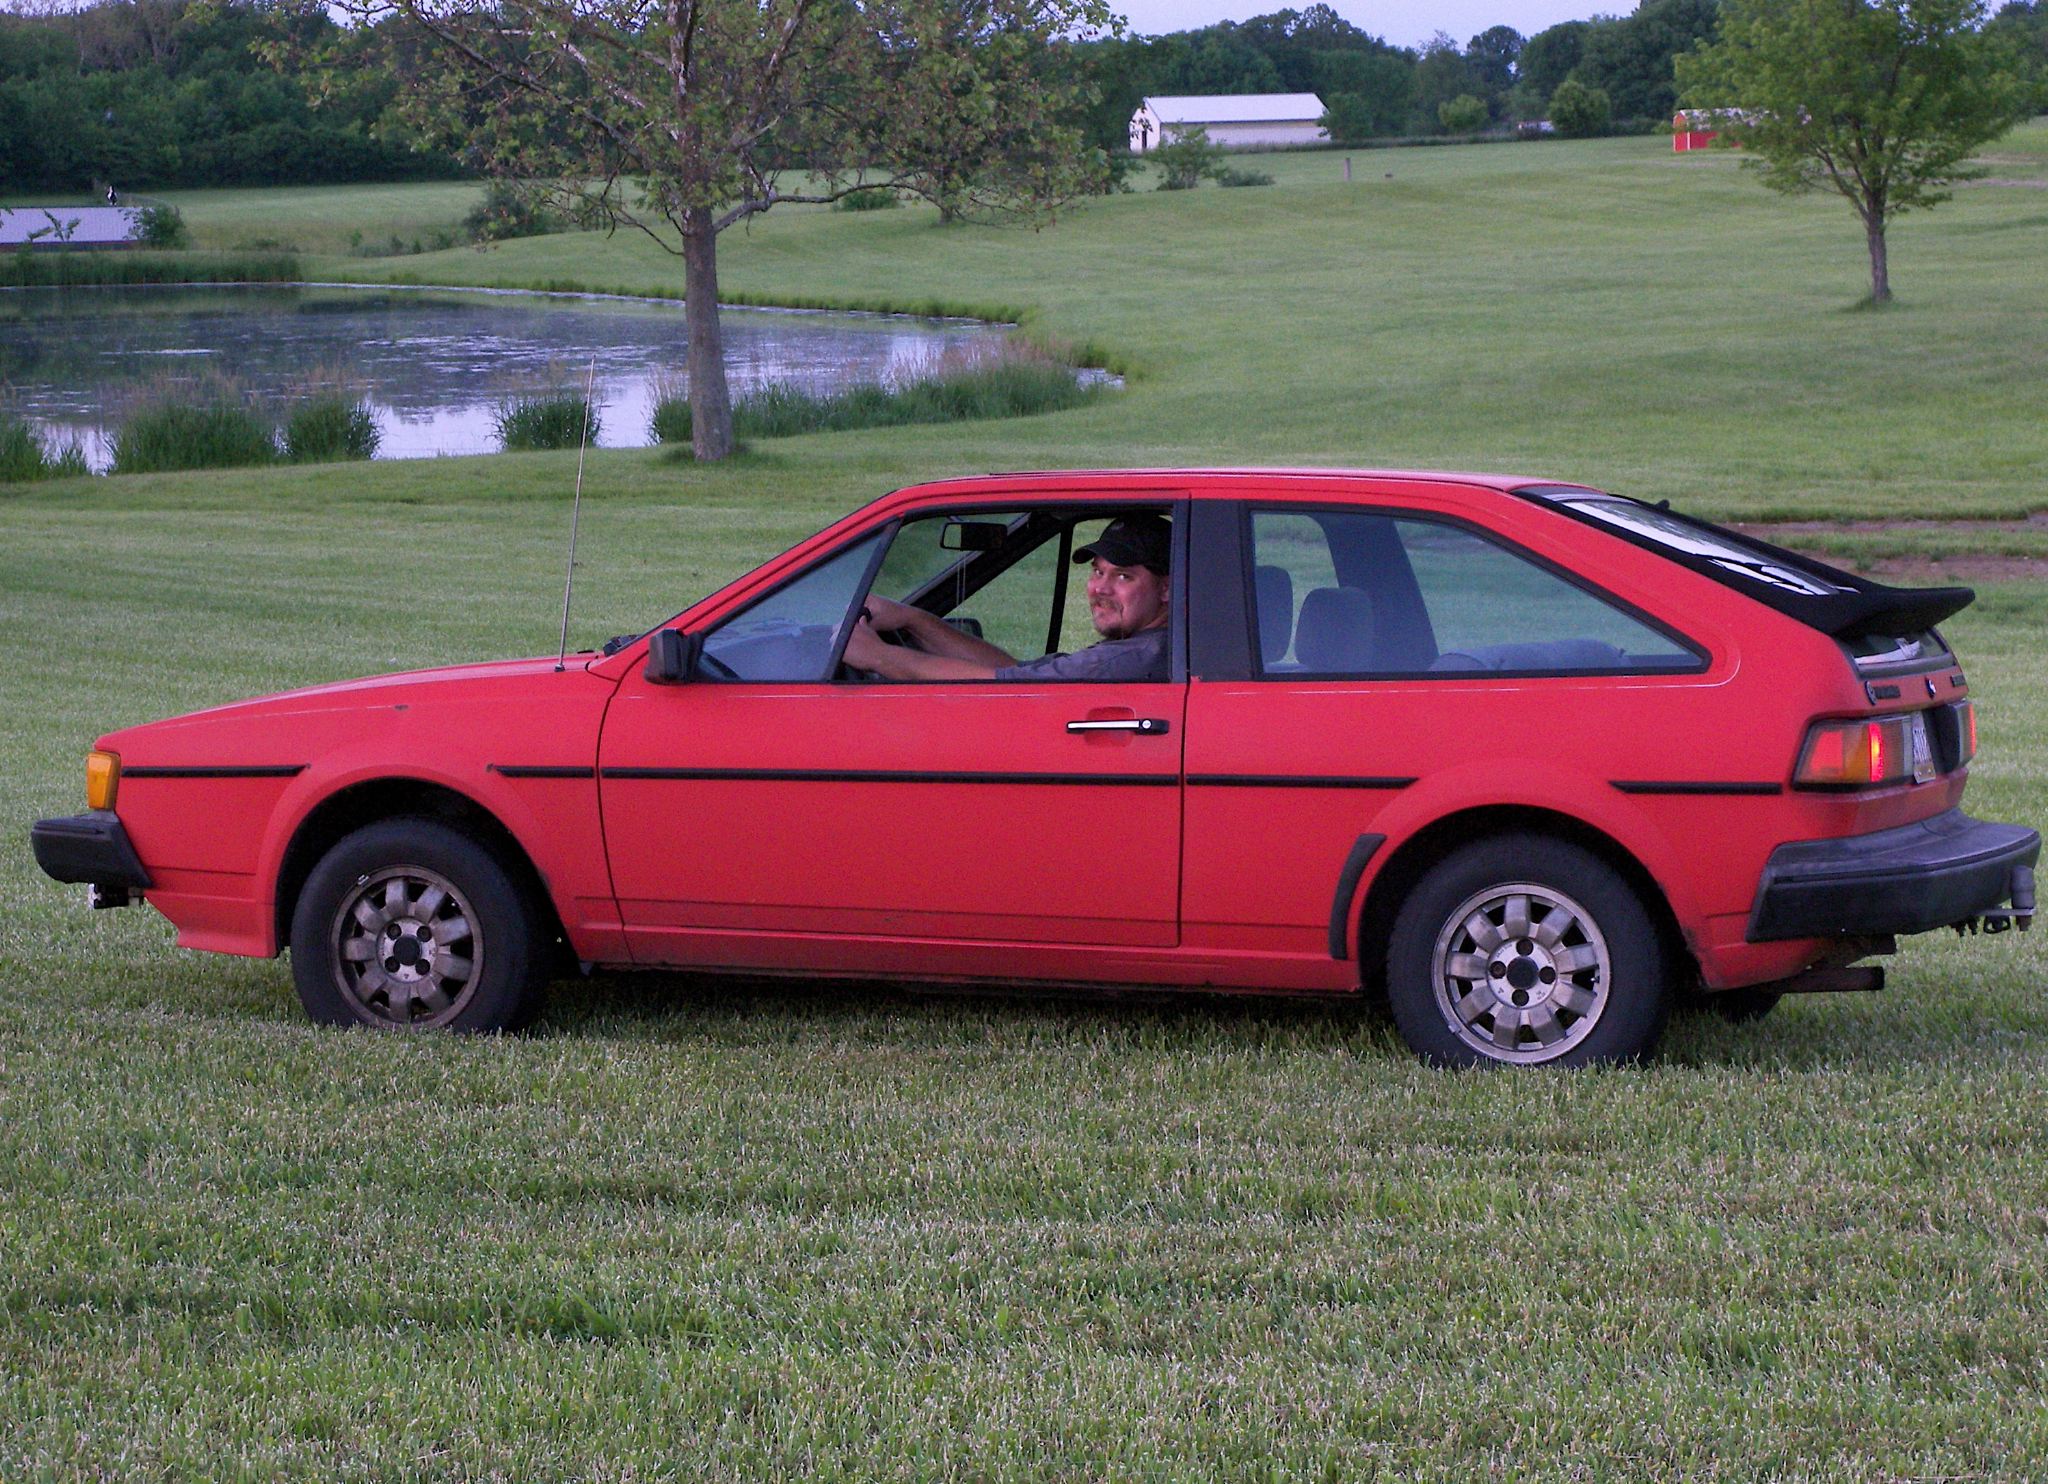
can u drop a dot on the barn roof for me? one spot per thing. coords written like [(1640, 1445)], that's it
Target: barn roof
[(1239, 108), (82, 226)]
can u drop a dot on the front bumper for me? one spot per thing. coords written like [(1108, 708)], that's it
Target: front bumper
[(1948, 869), (91, 848)]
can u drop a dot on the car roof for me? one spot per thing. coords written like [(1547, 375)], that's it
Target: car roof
[(1195, 480)]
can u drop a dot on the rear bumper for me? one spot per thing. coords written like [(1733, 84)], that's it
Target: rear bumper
[(1906, 880), (91, 848)]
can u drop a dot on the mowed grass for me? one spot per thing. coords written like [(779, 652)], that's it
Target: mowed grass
[(702, 1229)]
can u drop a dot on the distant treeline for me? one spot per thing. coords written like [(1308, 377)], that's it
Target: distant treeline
[(1374, 89), (139, 93)]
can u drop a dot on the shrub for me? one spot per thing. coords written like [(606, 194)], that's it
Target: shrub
[(546, 420), (1184, 162), (211, 433), (59, 269), (328, 429), (868, 198), (506, 211), (1231, 179), (161, 227), (1000, 382), (1463, 114), (1580, 111)]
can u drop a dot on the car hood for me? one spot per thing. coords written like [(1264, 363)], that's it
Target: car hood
[(241, 726)]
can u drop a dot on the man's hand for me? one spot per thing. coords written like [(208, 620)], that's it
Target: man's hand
[(889, 616)]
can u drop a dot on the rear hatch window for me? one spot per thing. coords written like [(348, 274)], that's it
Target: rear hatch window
[(1882, 628)]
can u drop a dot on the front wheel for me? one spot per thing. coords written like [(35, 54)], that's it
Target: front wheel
[(1526, 949), (410, 925)]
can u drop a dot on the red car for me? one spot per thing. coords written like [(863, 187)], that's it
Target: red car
[(1526, 758)]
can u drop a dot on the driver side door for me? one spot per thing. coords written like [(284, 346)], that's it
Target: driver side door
[(778, 812)]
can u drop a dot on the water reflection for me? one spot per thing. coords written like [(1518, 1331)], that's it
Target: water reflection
[(435, 364)]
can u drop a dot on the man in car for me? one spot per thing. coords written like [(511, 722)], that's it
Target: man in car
[(1127, 599)]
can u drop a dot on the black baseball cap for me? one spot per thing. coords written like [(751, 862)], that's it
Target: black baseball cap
[(1133, 541)]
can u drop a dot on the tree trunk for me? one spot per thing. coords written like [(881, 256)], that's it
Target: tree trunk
[(1880, 277), (710, 401)]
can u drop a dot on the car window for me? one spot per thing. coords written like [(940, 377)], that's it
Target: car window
[(794, 632), (1004, 576), (1372, 594)]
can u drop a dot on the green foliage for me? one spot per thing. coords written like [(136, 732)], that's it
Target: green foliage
[(558, 419), (1882, 101), (1630, 58), (1231, 178), (1186, 160), (508, 210), (1463, 114), (960, 387), (1578, 111), (206, 426), (152, 93), (23, 457), (869, 198), (63, 269), (329, 428), (160, 226)]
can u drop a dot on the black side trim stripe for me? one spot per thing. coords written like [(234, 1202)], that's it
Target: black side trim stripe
[(829, 775), (1652, 786), (276, 770), (1291, 780), (539, 770)]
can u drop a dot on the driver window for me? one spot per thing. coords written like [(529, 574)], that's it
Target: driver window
[(792, 634), (944, 563)]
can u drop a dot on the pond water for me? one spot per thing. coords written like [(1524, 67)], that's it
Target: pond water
[(434, 365)]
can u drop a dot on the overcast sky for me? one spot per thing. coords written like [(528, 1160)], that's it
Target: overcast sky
[(1403, 22)]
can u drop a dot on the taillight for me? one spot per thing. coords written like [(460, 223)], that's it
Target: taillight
[(1855, 754), (1967, 711)]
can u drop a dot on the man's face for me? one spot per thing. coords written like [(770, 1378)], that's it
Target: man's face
[(1125, 600)]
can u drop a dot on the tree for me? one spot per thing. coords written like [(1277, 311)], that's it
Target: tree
[(1186, 159), (1463, 114), (1880, 100), (682, 118), (1630, 59), (1377, 88), (1546, 59), (1579, 111)]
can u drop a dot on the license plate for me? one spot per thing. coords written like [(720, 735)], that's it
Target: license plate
[(1923, 750)]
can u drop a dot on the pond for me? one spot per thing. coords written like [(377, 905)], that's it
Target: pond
[(434, 365)]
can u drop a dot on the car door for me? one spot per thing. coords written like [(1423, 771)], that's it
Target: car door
[(776, 805)]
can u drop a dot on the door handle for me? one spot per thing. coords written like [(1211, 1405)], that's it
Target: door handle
[(1145, 726)]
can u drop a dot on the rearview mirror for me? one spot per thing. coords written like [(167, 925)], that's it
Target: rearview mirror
[(972, 535), (672, 657)]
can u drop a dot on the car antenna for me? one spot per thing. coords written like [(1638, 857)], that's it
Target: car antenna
[(575, 514)]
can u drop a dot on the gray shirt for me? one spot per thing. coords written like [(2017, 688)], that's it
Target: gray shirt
[(1140, 657)]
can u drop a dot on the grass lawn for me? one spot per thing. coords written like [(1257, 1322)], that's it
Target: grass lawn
[(717, 1230)]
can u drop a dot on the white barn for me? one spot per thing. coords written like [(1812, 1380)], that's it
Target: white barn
[(1247, 120)]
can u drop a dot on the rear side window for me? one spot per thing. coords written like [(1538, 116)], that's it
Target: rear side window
[(1360, 593)]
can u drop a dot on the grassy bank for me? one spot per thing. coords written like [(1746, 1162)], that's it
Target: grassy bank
[(704, 1230)]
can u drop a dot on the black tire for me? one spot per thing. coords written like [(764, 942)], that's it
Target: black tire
[(408, 924), (1580, 976)]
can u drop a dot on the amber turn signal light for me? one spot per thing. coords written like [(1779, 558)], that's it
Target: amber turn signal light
[(102, 779), (1852, 754)]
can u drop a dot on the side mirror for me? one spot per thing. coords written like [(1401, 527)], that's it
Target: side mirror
[(672, 657)]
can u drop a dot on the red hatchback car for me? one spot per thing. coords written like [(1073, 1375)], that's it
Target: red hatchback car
[(1524, 757)]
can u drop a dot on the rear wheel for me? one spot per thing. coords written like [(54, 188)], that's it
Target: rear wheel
[(1526, 949), (410, 925)]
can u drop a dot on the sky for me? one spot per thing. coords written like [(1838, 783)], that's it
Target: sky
[(1403, 22)]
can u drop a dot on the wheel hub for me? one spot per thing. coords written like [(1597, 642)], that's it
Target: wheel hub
[(405, 948), (1520, 972)]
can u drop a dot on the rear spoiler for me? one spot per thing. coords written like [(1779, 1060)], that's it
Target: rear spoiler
[(1853, 607)]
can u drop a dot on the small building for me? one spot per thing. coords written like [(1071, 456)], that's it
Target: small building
[(1241, 121), (43, 228)]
